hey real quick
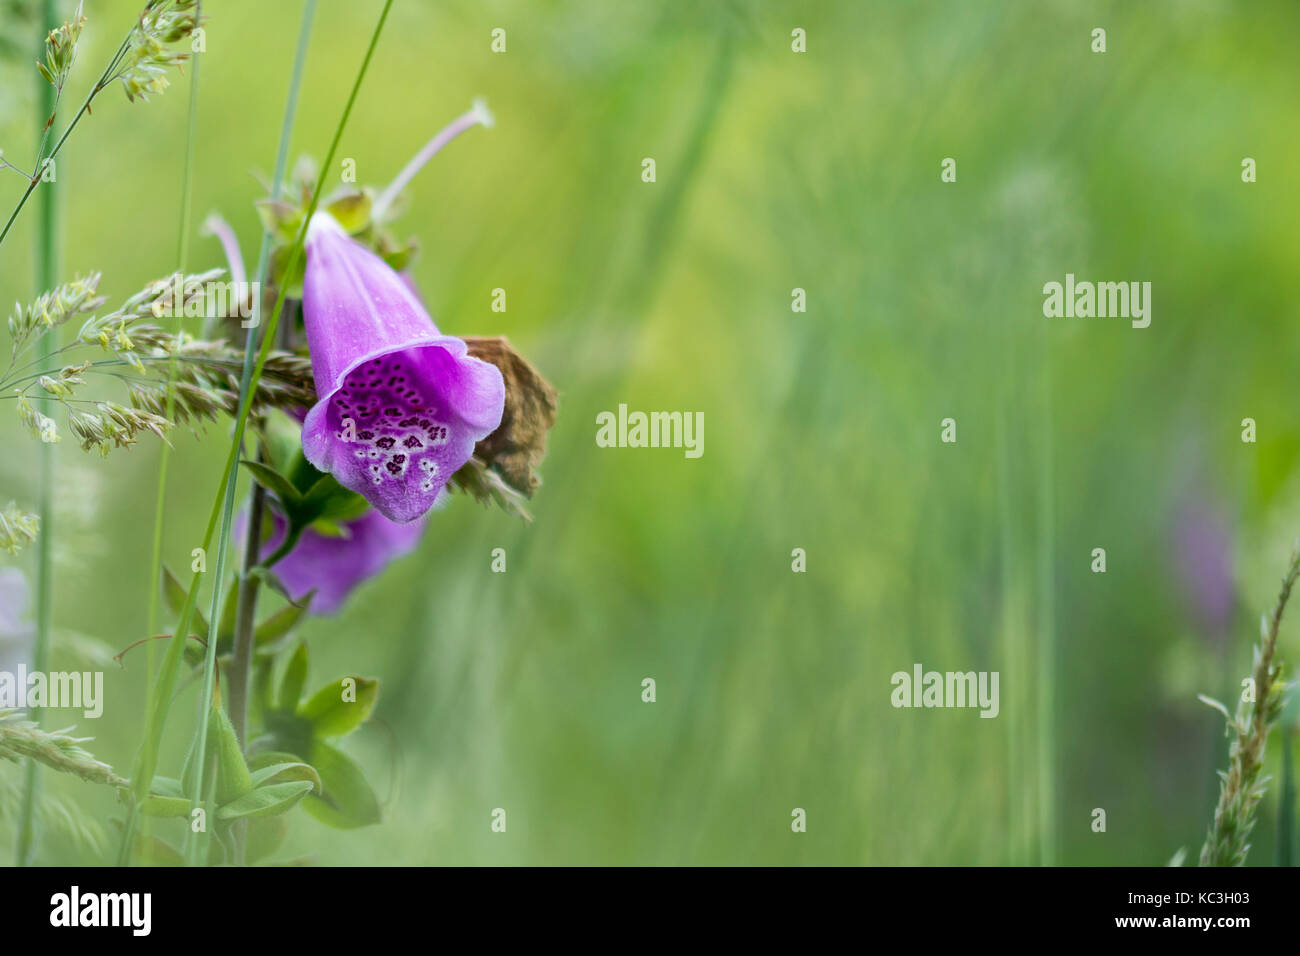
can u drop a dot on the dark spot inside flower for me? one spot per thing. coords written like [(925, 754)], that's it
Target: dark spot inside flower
[(366, 435), (408, 422), (413, 442), (394, 468), (386, 442), (399, 459), (392, 412)]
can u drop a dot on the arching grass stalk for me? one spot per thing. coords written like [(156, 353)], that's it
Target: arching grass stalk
[(194, 847), (46, 268), (104, 80), (164, 455)]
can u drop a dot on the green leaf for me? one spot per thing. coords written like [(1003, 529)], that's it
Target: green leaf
[(345, 507), (265, 836), (348, 801), (352, 211), (233, 777), (285, 772), (278, 624), (398, 256), (328, 499), (328, 528), (155, 806), (262, 698), (268, 801), (331, 715), (268, 578), (269, 758), (301, 472), (274, 482), (290, 282), (167, 787), (281, 219), (153, 851), (295, 678), (174, 594)]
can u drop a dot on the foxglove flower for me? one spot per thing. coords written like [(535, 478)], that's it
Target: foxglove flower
[(333, 566), (400, 405)]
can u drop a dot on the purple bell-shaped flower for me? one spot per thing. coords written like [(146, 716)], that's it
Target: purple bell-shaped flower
[(399, 406)]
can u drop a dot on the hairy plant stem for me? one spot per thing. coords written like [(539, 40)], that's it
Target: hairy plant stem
[(46, 267), (252, 374), (245, 614), (241, 666)]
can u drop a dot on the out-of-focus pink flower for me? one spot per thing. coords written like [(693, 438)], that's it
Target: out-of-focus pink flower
[(334, 566), (1205, 566)]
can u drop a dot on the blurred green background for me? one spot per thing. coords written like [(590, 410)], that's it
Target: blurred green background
[(775, 170)]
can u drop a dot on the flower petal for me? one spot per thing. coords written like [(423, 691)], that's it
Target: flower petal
[(400, 406), (334, 567)]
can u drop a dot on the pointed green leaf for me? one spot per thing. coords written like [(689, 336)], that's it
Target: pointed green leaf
[(233, 778), (266, 801), (328, 528), (286, 772), (278, 624), (167, 787), (174, 594), (290, 282), (279, 218), (269, 758), (295, 678), (274, 482), (265, 836), (155, 806), (351, 211), (348, 801), (153, 851), (269, 579), (332, 715), (328, 499)]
